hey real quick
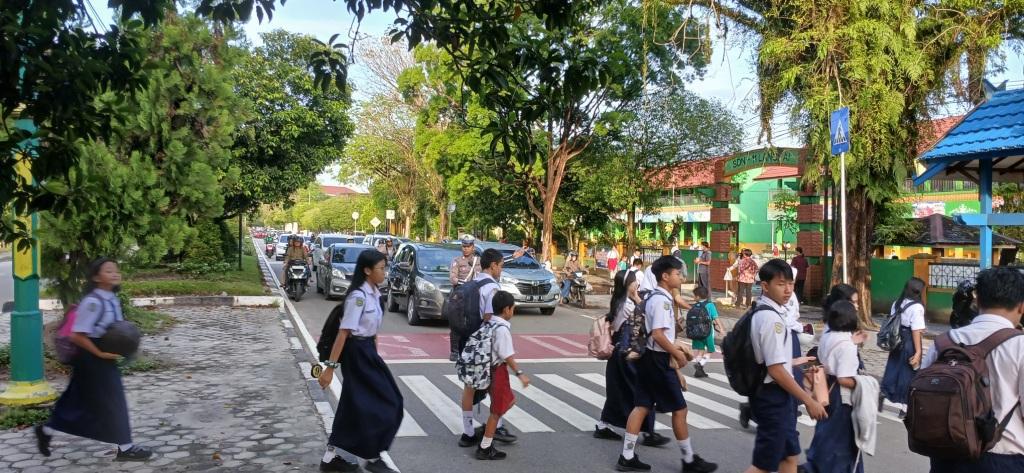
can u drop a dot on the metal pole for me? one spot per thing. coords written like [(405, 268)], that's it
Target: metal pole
[(842, 213), (985, 194), (239, 241)]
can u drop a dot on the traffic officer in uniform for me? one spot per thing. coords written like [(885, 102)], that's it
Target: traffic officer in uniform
[(464, 268)]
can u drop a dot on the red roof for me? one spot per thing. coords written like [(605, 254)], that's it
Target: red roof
[(335, 191), (777, 172), (938, 129), (689, 174)]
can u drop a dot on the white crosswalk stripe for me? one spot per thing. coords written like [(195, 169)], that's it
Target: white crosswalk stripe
[(446, 410), (803, 419), (557, 407), (516, 416), (583, 393), (692, 418)]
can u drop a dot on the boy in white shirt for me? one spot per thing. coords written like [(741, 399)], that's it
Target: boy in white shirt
[(502, 398)]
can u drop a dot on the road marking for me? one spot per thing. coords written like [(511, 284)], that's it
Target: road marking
[(400, 339), (306, 369), (446, 410), (695, 420), (557, 407), (583, 393), (803, 419), (326, 414), (410, 351), (518, 417), (296, 344), (286, 323), (409, 427), (525, 360), (549, 346), (714, 388)]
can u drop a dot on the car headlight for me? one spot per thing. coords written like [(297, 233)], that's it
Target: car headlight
[(422, 285), (508, 280), (337, 273), (553, 281)]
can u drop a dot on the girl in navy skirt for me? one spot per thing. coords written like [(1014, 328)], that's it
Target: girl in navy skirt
[(905, 359), (834, 449), (93, 405), (620, 375), (370, 409)]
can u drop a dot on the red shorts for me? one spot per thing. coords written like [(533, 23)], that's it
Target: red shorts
[(500, 391)]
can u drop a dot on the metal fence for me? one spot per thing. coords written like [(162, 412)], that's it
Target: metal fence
[(949, 275)]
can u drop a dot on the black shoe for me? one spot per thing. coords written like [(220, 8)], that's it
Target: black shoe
[(698, 371), (467, 441), (502, 435), (42, 440), (606, 434), (881, 402), (378, 466), (490, 453), (698, 465), (338, 464), (745, 415), (633, 464), (655, 439), (134, 454)]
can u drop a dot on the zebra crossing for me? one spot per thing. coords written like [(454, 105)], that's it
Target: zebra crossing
[(560, 403)]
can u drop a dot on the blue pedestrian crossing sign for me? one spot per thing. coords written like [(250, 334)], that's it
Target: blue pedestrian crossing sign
[(839, 130)]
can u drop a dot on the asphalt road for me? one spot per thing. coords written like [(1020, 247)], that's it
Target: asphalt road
[(555, 415)]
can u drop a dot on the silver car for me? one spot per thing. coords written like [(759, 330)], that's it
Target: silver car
[(335, 268), (532, 286), (324, 240)]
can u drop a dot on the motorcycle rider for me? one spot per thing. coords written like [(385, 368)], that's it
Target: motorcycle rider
[(296, 251), (572, 266)]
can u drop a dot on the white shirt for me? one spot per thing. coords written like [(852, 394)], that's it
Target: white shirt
[(647, 281), (363, 314), (97, 310), (838, 354), (612, 254), (501, 347), (659, 314), (487, 292), (627, 307), (1006, 367), (769, 334), (912, 316)]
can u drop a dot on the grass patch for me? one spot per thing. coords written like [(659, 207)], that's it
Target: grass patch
[(150, 322), (5, 356), (165, 282), (20, 417), (140, 364)]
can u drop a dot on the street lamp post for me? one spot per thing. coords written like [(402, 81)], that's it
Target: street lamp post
[(355, 217), (28, 385)]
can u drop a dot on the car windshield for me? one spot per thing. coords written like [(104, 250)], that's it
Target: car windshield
[(328, 241), (522, 262), (346, 255), (283, 239), (435, 260)]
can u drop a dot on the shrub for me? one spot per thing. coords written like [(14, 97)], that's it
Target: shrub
[(5, 356), (207, 246), (20, 417)]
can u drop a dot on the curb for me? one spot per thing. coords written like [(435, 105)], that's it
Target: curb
[(232, 301)]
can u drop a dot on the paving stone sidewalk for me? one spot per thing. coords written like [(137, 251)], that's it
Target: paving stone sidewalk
[(231, 399)]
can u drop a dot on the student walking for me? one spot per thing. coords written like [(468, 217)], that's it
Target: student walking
[(730, 275), (1000, 297), (747, 269), (370, 409), (94, 406), (620, 375), (500, 390), (834, 448), (906, 359), (613, 260), (658, 385), (773, 406), (703, 348)]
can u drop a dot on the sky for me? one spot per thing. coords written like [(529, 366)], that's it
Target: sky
[(730, 78)]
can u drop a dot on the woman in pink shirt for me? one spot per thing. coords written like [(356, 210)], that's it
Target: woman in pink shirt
[(747, 272)]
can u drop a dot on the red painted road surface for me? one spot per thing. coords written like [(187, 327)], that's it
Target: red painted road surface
[(528, 346)]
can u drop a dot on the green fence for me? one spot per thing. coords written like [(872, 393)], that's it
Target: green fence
[(888, 276)]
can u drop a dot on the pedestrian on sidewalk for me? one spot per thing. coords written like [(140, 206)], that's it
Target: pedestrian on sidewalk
[(703, 263), (800, 264), (370, 409), (500, 390), (834, 448), (729, 277), (620, 375), (703, 348), (906, 359), (747, 269), (658, 385), (612, 260), (94, 406)]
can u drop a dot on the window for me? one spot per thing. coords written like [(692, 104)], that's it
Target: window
[(346, 255)]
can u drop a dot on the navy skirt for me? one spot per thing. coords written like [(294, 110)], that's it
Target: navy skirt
[(620, 378), (93, 406), (898, 373), (370, 409), (834, 449)]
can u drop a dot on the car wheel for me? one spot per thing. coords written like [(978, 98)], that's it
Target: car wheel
[(392, 303), (547, 310), (410, 310)]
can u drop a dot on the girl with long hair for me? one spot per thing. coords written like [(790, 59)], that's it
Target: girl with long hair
[(370, 408), (905, 359)]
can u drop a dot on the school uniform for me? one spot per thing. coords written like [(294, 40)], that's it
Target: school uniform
[(500, 389), (1005, 364), (708, 344), (657, 384), (370, 409), (796, 329), (898, 372), (93, 405), (621, 378), (834, 448), (772, 407)]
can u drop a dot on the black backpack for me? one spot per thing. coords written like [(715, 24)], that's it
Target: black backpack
[(633, 341), (462, 309), (745, 374), (698, 321), (329, 332)]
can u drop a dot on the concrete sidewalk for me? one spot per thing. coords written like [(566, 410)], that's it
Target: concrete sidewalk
[(231, 398)]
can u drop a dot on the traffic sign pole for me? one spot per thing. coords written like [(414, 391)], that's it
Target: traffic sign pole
[(842, 213), (839, 134)]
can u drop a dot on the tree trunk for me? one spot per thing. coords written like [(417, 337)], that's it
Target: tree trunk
[(631, 232), (547, 226), (442, 220), (860, 220)]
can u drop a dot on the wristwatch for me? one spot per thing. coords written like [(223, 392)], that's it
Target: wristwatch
[(331, 364), (519, 372)]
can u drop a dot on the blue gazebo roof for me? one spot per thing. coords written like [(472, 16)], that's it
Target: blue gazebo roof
[(993, 130)]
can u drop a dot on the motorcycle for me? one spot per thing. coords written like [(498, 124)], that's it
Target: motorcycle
[(298, 279), (578, 288), (269, 250)]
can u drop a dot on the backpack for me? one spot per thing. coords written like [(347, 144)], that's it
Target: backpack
[(462, 309), (329, 332), (633, 341), (600, 344), (698, 321), (474, 364), (949, 412), (65, 348), (889, 338), (745, 374)]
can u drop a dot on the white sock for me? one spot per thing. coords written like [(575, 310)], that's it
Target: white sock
[(601, 425), (467, 423), (501, 423), (329, 455), (686, 449), (47, 430), (702, 361), (486, 443), (125, 447), (629, 445)]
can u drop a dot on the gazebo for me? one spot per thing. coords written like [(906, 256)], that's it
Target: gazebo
[(986, 146)]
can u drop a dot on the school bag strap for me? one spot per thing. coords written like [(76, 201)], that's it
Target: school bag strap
[(944, 345)]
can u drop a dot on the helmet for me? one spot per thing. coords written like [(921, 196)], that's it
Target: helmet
[(468, 240)]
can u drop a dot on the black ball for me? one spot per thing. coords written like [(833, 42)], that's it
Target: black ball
[(122, 338)]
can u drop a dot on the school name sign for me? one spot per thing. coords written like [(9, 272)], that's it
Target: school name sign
[(761, 158)]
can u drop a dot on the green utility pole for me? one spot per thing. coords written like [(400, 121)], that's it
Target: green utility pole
[(27, 385)]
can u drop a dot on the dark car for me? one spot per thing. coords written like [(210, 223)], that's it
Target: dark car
[(335, 268), (418, 280)]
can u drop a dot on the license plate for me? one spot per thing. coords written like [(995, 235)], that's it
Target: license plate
[(530, 298)]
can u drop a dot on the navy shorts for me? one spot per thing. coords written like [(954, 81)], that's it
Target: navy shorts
[(774, 410), (657, 385)]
